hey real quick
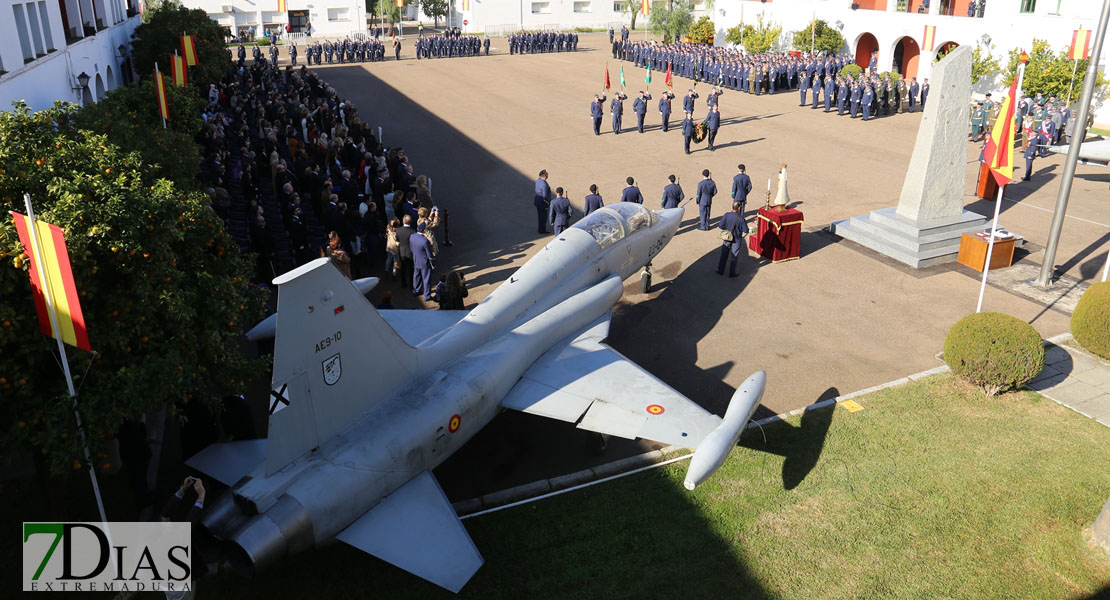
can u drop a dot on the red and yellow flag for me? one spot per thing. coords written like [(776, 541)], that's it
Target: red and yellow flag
[(466, 5), (400, 3), (606, 76), (999, 153), (281, 5), (189, 50), (930, 38), (1080, 40), (178, 73), (52, 265), (645, 6), (668, 79), (160, 91)]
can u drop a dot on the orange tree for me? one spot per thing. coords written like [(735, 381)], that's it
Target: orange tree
[(160, 35), (128, 116), (163, 290)]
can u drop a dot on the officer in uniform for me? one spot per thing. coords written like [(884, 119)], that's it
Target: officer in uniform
[(560, 212), (542, 201), (706, 190), (593, 200), (665, 107), (866, 99), (924, 93), (734, 223), (914, 90), (688, 102), (713, 121), (741, 187), (293, 54), (841, 96), (639, 106), (1030, 154), (978, 123), (597, 111), (856, 97), (687, 131), (672, 193), (242, 53), (631, 193), (803, 86), (485, 45), (273, 54), (830, 89), (815, 89), (616, 108)]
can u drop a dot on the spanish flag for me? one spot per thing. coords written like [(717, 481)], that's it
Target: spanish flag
[(160, 91), (1080, 40), (465, 5), (668, 79), (189, 50), (400, 3), (178, 73), (281, 6), (930, 38), (645, 6), (52, 281), (999, 153)]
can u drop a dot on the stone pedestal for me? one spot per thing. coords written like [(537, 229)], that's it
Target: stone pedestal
[(925, 228)]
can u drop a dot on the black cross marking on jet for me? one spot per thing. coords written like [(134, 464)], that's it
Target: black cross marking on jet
[(279, 396)]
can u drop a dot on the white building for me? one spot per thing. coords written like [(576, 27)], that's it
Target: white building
[(73, 50), (328, 18)]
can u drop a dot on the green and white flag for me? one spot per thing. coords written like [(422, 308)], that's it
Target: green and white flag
[(622, 75), (647, 77)]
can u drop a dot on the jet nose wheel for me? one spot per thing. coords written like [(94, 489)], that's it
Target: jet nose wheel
[(645, 279)]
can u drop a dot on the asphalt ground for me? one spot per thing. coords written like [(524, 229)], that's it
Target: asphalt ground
[(840, 319)]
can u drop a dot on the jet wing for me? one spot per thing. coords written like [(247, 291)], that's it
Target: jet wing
[(417, 326), (416, 529), (227, 462), (581, 380), (1090, 153)]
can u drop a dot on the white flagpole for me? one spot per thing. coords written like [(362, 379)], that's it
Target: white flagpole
[(1106, 267), (61, 349), (998, 203), (1075, 66)]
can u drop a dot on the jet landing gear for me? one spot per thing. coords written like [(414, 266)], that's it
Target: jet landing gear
[(645, 279)]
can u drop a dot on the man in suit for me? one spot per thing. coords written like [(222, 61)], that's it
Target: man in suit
[(597, 112), (815, 89), (706, 190), (924, 93), (915, 89), (631, 193), (616, 108), (732, 222), (714, 123), (741, 187), (421, 250), (593, 200), (405, 250), (687, 131), (610, 34), (639, 106), (672, 193), (665, 108), (542, 201), (560, 212)]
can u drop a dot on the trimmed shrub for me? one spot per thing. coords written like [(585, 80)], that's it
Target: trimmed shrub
[(263, 41), (853, 69), (1090, 323), (994, 351)]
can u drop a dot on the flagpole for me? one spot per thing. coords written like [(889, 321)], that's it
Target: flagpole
[(1075, 67), (61, 349), (998, 199)]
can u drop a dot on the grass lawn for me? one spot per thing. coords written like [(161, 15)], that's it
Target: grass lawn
[(932, 491)]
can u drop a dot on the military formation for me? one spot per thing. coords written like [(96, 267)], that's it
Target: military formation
[(451, 44), (331, 52), (823, 79), (542, 42)]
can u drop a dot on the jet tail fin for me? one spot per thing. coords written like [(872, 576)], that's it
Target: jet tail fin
[(335, 358)]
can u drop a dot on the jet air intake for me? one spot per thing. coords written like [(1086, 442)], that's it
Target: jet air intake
[(284, 529)]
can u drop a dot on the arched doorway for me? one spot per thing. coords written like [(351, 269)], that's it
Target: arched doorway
[(865, 45), (99, 87), (111, 78), (944, 49), (906, 55)]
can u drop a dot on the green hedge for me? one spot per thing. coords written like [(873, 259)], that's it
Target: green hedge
[(994, 351), (853, 69), (1090, 323)]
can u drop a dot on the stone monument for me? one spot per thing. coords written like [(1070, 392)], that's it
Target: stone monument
[(925, 228)]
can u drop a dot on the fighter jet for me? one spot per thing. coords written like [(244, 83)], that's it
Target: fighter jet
[(1090, 153), (366, 404)]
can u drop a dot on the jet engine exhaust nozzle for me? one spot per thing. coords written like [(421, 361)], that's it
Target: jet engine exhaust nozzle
[(283, 530)]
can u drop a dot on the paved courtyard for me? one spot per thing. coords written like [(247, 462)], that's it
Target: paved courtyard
[(838, 320)]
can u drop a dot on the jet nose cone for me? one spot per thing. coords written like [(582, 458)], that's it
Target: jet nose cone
[(670, 218)]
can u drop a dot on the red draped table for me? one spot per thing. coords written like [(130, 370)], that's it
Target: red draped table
[(779, 234)]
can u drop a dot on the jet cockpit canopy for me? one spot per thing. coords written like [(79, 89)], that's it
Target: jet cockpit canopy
[(610, 224)]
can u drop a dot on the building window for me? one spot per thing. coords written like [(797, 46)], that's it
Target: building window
[(1028, 6), (36, 32), (45, 19), (582, 7), (24, 37), (339, 14), (541, 8), (618, 7)]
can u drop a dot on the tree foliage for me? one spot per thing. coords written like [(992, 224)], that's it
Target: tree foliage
[(164, 294), (156, 40), (674, 21), (1048, 72), (820, 38), (755, 39), (983, 63), (435, 9), (702, 31), (632, 7), (129, 117)]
